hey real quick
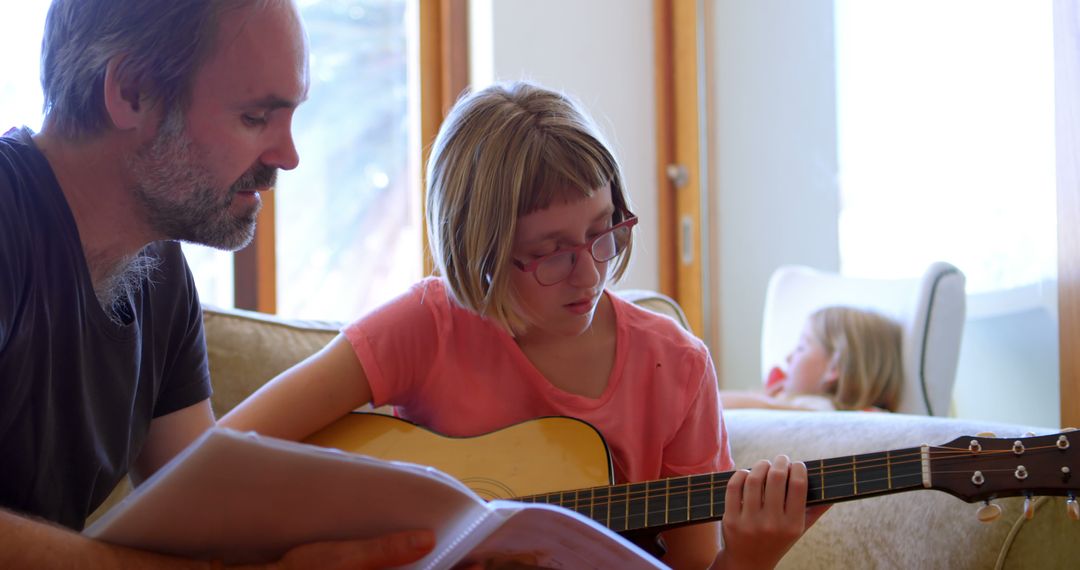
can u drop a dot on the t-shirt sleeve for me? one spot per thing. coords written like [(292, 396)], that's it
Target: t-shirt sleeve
[(700, 445), (187, 377), (398, 343)]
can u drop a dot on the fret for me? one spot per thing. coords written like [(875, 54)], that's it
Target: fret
[(699, 496), (871, 473), (854, 477), (716, 495), (667, 500), (888, 467), (656, 503), (553, 498), (602, 506), (838, 479), (583, 502), (678, 500), (815, 488), (618, 514), (636, 507), (906, 468)]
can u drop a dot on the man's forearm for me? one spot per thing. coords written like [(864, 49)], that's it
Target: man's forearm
[(26, 543)]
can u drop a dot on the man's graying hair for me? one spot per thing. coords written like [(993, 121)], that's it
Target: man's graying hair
[(162, 42)]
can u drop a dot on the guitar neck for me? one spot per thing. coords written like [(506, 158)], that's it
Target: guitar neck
[(678, 501)]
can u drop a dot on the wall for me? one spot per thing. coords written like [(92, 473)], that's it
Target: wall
[(601, 52), (774, 160), (1008, 369)]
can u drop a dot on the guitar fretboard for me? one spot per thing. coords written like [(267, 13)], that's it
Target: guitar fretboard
[(700, 498)]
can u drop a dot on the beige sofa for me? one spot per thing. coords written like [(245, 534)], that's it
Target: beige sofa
[(922, 529)]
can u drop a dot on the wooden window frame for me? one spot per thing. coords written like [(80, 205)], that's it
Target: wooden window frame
[(444, 74)]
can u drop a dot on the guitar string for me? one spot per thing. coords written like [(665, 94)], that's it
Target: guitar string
[(845, 466), (617, 498), (613, 520)]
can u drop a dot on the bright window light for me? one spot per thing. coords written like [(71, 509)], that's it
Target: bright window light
[(20, 80), (946, 139)]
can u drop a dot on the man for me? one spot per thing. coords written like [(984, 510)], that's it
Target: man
[(165, 119)]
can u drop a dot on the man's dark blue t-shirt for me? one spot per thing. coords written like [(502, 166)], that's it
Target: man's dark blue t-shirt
[(78, 390)]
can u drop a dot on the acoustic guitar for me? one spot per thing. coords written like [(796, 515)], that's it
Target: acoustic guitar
[(564, 461)]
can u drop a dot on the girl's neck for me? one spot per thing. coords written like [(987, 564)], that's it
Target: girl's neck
[(578, 364)]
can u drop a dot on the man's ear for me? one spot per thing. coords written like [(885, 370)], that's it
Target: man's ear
[(124, 101)]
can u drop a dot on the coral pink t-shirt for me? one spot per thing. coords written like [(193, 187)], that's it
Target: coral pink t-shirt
[(448, 369)]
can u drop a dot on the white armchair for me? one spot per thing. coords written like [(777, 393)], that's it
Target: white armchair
[(930, 310)]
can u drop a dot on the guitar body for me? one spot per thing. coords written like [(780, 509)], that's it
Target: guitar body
[(534, 457)]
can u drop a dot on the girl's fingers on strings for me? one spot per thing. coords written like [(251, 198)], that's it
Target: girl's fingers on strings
[(796, 488), (733, 495), (776, 485), (753, 493)]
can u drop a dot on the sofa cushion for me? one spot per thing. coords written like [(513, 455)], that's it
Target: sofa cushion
[(917, 529), (246, 349)]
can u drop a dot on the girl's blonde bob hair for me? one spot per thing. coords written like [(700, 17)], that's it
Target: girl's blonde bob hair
[(504, 152), (865, 347)]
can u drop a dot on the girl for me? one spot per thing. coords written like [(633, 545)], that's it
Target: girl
[(846, 359), (528, 220)]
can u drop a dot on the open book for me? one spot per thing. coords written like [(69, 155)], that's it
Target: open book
[(243, 498)]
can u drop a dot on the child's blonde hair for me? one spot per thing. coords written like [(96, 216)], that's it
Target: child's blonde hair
[(504, 152), (865, 347)]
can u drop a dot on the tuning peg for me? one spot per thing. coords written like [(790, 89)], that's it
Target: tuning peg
[(1072, 508), (986, 434), (1029, 507), (988, 512)]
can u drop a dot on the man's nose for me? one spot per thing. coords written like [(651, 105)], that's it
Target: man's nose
[(283, 153)]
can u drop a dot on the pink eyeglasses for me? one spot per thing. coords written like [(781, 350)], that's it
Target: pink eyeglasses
[(557, 266)]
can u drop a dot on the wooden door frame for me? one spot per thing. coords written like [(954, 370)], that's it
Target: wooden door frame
[(1067, 105), (685, 238)]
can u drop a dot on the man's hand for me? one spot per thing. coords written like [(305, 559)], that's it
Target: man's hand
[(383, 552)]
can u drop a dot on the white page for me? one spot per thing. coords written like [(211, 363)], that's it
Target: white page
[(554, 537), (244, 498)]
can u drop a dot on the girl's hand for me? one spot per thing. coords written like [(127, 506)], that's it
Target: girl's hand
[(764, 514)]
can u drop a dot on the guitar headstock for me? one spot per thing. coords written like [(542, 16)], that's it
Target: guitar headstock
[(976, 468)]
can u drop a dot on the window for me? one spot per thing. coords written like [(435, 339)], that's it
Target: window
[(20, 84), (347, 223), (946, 139)]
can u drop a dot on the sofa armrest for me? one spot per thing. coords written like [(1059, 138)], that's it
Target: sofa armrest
[(917, 529)]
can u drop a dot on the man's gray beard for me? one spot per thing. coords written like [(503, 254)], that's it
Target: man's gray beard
[(178, 196), (121, 284)]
